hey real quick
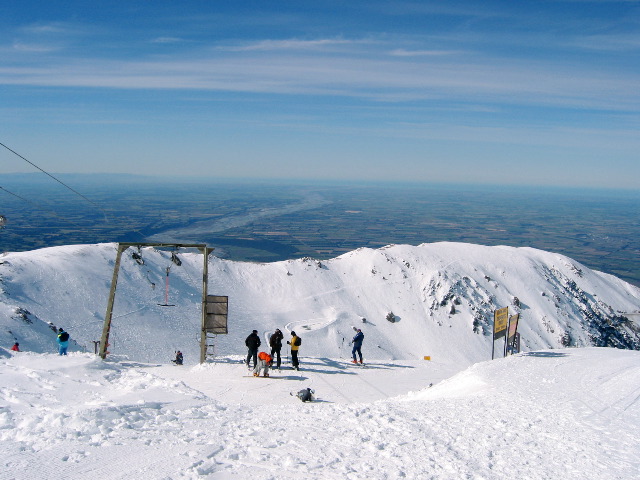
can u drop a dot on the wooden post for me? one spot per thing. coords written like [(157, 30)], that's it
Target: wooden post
[(104, 342), (205, 280)]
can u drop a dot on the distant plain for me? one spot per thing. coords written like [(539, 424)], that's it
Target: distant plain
[(270, 221)]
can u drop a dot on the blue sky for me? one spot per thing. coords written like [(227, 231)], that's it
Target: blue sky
[(486, 92)]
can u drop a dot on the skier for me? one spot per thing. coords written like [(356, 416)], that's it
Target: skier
[(179, 358), (16, 347), (63, 342), (252, 342), (357, 345), (295, 343), (264, 362), (275, 342)]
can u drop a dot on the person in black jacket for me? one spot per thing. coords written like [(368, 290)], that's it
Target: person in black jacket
[(253, 343), (179, 358), (275, 342)]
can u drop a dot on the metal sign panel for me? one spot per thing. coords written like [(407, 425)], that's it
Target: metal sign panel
[(217, 309), (217, 299), (511, 336), (513, 326), (216, 324), (500, 320)]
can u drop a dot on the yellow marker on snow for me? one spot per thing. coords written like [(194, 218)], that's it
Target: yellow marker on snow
[(427, 357)]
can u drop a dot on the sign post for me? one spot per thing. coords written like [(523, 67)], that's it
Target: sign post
[(500, 320)]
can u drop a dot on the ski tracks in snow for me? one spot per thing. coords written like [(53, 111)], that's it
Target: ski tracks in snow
[(79, 417)]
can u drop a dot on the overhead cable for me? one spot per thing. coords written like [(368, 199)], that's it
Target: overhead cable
[(38, 205), (57, 180)]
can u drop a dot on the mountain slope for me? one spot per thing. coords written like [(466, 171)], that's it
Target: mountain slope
[(442, 296)]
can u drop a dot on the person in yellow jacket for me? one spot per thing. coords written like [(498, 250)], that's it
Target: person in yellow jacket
[(295, 343)]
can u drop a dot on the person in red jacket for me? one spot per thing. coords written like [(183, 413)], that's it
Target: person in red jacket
[(264, 362), (16, 347)]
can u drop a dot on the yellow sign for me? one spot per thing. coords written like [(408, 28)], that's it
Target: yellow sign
[(500, 320), (427, 358)]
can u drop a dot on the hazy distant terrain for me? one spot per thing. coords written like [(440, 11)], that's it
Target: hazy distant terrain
[(272, 222)]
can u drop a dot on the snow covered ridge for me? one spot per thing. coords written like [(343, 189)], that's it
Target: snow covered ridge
[(442, 296)]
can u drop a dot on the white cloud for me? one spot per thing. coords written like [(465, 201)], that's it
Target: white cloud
[(288, 44), (48, 28), (611, 43), (369, 74), (401, 52), (33, 47), (167, 40)]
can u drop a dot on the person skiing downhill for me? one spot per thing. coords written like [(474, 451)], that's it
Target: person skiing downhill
[(253, 343), (275, 342), (16, 347), (357, 345)]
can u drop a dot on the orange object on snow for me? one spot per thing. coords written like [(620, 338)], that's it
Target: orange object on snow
[(264, 356)]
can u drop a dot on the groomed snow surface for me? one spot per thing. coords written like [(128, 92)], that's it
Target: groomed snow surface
[(552, 414)]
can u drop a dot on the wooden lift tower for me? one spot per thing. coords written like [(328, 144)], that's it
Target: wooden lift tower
[(214, 307)]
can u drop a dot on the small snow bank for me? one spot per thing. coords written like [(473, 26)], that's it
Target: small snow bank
[(547, 372), (50, 398), (570, 413), (464, 384)]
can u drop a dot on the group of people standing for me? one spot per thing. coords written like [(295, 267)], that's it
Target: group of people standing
[(263, 360)]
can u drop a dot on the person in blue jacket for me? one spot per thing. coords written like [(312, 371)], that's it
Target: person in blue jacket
[(63, 342), (357, 345)]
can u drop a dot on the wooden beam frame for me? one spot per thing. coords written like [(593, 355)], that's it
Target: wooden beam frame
[(121, 247)]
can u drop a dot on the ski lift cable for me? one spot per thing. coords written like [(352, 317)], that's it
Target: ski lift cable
[(192, 280), (178, 262), (42, 207), (57, 180)]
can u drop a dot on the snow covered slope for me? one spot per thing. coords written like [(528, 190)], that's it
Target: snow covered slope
[(442, 296), (558, 414)]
